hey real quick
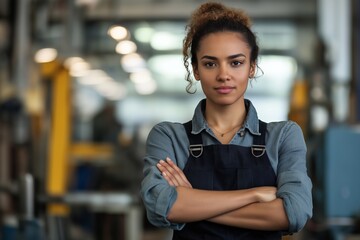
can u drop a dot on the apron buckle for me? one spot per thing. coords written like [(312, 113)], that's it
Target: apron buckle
[(258, 150), (196, 150)]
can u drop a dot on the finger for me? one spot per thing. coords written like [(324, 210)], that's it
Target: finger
[(171, 183), (178, 171), (181, 176), (174, 171), (170, 172), (160, 167), (166, 176)]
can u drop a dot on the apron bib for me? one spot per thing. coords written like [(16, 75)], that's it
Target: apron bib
[(226, 167)]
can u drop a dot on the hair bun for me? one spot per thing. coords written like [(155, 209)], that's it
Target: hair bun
[(215, 10), (211, 7)]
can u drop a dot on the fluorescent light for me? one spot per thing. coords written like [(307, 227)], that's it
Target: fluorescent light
[(141, 77), (45, 55), (126, 47), (71, 61), (162, 41), (88, 3), (133, 62), (93, 77), (144, 34), (79, 69), (167, 65), (146, 88), (118, 32)]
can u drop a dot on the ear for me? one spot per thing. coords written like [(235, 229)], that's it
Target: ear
[(195, 71), (252, 70)]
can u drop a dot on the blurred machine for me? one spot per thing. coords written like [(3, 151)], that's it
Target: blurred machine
[(337, 178)]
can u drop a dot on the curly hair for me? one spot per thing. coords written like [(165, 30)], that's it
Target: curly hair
[(212, 17)]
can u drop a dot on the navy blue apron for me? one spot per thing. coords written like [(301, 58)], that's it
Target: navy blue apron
[(226, 167)]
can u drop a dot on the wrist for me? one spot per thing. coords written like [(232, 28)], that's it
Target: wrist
[(256, 196), (249, 196)]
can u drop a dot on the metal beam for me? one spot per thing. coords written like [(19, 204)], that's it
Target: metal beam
[(21, 46), (357, 59), (170, 9)]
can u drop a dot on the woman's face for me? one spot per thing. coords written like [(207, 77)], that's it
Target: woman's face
[(223, 67)]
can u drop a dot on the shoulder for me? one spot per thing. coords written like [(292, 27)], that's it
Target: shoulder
[(167, 130), (284, 127), (168, 127), (286, 133), (167, 139)]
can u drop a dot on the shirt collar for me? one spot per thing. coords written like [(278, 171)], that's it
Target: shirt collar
[(251, 121)]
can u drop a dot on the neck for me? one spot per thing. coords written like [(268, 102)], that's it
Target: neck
[(223, 118)]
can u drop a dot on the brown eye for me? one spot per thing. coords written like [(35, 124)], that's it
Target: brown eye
[(237, 63), (209, 64)]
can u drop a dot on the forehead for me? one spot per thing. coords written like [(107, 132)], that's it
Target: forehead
[(223, 43)]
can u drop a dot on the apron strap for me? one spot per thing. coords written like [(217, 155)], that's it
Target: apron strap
[(259, 148), (196, 146)]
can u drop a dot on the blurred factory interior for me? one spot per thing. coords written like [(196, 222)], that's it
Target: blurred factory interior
[(83, 81)]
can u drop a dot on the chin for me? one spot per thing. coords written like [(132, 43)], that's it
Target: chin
[(228, 101)]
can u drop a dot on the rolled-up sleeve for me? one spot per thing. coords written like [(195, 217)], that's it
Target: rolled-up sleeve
[(294, 184), (157, 195)]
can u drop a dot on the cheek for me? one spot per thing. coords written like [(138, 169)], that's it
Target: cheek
[(245, 73), (206, 76), (243, 78)]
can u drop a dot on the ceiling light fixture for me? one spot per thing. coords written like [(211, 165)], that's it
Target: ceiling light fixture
[(45, 55), (118, 32), (126, 47), (133, 62)]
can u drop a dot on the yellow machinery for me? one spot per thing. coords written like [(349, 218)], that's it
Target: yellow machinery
[(61, 153), (59, 136)]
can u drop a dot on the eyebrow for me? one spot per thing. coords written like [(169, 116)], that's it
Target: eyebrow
[(229, 57)]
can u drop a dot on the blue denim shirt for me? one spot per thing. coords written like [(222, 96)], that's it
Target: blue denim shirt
[(285, 147)]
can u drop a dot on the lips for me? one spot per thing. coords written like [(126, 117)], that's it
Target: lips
[(224, 89)]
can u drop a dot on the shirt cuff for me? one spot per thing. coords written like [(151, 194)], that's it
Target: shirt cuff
[(295, 190)]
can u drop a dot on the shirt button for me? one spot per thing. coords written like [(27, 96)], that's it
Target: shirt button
[(242, 133)]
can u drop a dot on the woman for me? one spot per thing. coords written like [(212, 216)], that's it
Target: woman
[(225, 174)]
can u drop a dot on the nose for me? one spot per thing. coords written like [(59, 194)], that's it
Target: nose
[(223, 73)]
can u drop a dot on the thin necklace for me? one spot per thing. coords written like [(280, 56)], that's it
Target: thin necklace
[(222, 134)]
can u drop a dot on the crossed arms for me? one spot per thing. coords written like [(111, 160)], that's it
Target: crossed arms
[(172, 203), (255, 208)]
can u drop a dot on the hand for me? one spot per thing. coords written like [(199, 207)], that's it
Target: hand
[(173, 174), (265, 194)]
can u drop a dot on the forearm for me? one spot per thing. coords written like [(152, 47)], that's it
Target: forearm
[(268, 216), (195, 205)]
